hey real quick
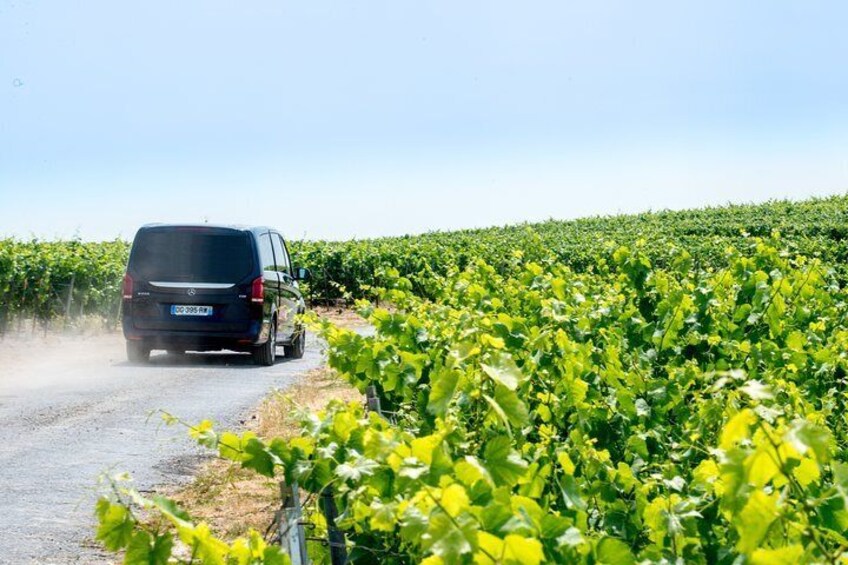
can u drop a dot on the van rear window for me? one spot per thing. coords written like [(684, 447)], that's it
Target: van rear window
[(191, 256)]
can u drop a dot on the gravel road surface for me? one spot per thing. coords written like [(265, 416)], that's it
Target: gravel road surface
[(73, 407)]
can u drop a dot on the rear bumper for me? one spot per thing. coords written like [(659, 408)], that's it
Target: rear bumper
[(256, 334)]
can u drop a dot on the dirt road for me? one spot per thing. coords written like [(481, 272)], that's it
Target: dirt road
[(72, 408)]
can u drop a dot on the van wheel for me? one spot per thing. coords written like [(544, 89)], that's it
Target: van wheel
[(137, 352), (298, 345), (266, 353)]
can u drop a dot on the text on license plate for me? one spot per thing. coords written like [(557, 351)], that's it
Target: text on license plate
[(187, 310)]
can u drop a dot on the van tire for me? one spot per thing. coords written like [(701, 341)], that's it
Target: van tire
[(266, 353), (137, 352), (298, 345)]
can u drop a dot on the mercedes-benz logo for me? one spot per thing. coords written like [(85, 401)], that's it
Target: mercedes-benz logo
[(191, 292)]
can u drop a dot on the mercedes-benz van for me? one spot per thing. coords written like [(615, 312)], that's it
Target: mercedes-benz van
[(212, 287)]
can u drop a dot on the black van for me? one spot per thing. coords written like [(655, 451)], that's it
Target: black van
[(207, 288)]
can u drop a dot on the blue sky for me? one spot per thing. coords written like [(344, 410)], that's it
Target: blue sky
[(350, 119)]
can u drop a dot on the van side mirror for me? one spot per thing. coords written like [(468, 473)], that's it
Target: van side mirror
[(302, 274)]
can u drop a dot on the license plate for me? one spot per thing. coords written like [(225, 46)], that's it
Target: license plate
[(186, 310)]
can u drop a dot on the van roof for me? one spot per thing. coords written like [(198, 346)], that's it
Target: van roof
[(239, 227)]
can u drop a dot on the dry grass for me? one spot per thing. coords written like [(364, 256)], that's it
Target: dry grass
[(232, 500), (341, 316), (276, 416)]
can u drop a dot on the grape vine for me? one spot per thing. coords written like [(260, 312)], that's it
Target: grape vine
[(631, 410)]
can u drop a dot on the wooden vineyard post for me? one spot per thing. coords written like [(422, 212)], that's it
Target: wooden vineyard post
[(373, 400), (70, 298), (335, 537), (118, 311)]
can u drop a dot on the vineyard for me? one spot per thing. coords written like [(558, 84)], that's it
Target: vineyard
[(45, 280), (663, 388), (816, 228)]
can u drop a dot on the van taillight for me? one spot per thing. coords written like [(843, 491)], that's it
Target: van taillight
[(257, 290), (128, 287)]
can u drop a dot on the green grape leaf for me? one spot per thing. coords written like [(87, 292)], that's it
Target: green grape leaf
[(755, 519), (738, 428), (611, 551), (443, 386), (469, 470), (789, 555), (172, 512), (143, 550), (804, 436), (343, 425), (449, 538), (502, 369), (116, 525), (571, 538), (518, 550), (382, 516), (204, 434), (508, 407), (356, 468), (504, 464), (258, 457), (571, 494)]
